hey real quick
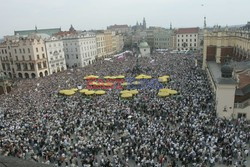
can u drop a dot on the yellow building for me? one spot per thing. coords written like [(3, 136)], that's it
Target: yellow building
[(108, 43), (24, 57), (100, 44)]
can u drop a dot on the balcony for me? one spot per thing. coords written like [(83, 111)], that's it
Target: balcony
[(242, 105)]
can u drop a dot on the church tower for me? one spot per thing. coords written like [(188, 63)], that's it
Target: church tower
[(144, 23)]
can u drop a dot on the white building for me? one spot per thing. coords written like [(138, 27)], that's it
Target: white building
[(55, 54), (80, 49), (187, 39), (144, 49)]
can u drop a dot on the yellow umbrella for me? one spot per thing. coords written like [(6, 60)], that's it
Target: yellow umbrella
[(62, 91), (83, 90), (147, 77), (91, 77), (163, 94), (100, 92), (172, 92), (120, 77), (69, 93), (93, 83), (124, 84), (125, 91), (74, 89), (134, 92), (139, 77), (164, 90), (90, 92), (127, 95), (162, 80), (107, 77)]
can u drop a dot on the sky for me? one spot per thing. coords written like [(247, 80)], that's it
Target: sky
[(98, 14)]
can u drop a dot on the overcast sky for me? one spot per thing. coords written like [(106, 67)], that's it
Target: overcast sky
[(98, 14)]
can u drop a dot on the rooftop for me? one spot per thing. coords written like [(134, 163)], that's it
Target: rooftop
[(187, 30)]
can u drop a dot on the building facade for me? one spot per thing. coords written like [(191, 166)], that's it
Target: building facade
[(226, 61), (24, 57), (100, 44), (55, 54), (121, 29), (80, 50), (108, 43), (163, 39), (187, 39)]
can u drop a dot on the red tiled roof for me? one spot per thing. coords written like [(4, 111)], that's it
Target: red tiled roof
[(187, 30), (244, 79)]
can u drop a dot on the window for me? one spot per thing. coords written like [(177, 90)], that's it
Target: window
[(39, 65), (36, 49), (16, 58), (25, 66), (194, 40), (194, 44), (23, 58), (67, 56), (15, 51), (44, 64), (42, 48), (50, 53), (43, 55), (32, 67), (76, 49), (76, 56), (190, 40), (29, 57), (60, 51), (23, 50), (20, 50), (28, 50), (38, 57)]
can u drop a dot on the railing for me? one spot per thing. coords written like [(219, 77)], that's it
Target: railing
[(242, 105)]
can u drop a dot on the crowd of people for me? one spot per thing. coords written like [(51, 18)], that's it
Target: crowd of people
[(39, 124)]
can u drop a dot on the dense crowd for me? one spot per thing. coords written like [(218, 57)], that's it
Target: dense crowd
[(107, 131)]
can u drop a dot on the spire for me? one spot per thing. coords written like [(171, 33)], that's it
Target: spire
[(144, 23), (170, 25), (205, 22)]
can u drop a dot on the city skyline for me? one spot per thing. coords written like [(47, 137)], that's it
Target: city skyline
[(97, 14)]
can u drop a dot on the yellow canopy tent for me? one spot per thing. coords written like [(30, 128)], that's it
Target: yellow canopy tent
[(107, 77), (172, 92), (139, 77), (163, 94), (160, 79), (91, 77), (100, 92), (147, 77), (126, 95), (120, 77), (69, 93), (164, 90), (124, 84), (74, 89), (62, 91), (90, 92), (134, 92), (83, 90), (93, 83)]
